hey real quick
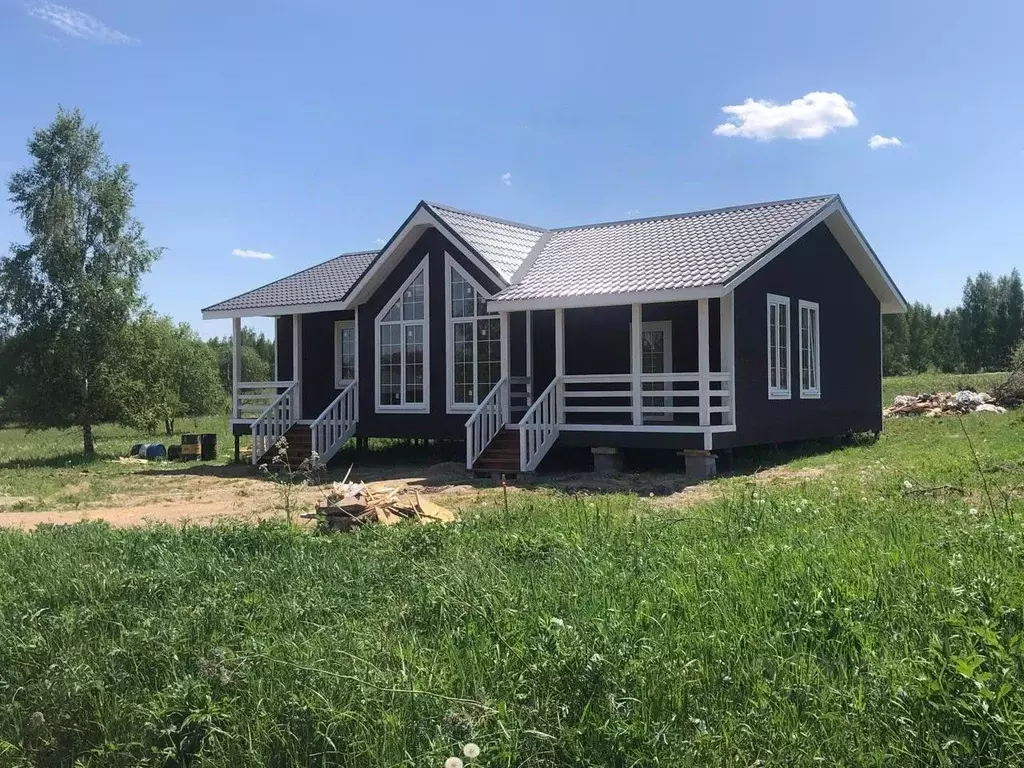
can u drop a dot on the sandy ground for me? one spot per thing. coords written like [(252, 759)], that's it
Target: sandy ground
[(207, 494)]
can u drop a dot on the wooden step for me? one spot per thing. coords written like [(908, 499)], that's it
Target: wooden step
[(501, 456), (300, 446)]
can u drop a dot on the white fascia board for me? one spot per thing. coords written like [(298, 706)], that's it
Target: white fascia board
[(743, 273), (849, 236), (607, 299), (292, 309), (399, 245)]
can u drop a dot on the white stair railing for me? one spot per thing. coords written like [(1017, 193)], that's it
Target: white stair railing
[(487, 420), (271, 426), (333, 428), (538, 430)]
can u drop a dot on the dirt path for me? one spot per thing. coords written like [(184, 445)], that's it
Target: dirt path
[(203, 496)]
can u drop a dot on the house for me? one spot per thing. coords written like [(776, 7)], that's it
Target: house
[(694, 332)]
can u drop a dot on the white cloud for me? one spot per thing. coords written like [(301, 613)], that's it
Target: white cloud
[(812, 116), (77, 24), (379, 242), (506, 179), (247, 254), (880, 142)]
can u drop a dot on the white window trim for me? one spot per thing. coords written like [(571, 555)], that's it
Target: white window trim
[(779, 393), (813, 393), (424, 407), (449, 345), (339, 325), (664, 326)]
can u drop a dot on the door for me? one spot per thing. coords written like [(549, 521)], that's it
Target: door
[(656, 357)]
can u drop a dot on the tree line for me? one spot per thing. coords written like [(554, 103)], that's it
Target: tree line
[(979, 335), (78, 344)]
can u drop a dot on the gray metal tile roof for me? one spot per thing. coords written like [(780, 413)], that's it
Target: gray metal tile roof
[(669, 252), (504, 244), (320, 284)]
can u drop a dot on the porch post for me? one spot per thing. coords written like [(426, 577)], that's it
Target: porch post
[(506, 365), (704, 368), (727, 341), (559, 363), (236, 364), (297, 360), (636, 364), (529, 358)]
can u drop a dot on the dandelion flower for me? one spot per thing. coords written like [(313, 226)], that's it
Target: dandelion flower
[(453, 762), (471, 750)]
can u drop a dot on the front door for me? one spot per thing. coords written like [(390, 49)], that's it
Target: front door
[(656, 357)]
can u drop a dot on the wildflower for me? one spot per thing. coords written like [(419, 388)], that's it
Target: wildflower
[(471, 750), (972, 511), (907, 484), (453, 762)]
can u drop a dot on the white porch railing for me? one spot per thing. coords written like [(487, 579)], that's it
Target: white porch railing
[(519, 393), (660, 398), (333, 428), (538, 429), (253, 397), (487, 420), (277, 419)]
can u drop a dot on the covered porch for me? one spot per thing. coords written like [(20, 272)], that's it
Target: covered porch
[(273, 409), (662, 368)]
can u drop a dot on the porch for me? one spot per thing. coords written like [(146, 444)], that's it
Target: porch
[(662, 369), (272, 410)]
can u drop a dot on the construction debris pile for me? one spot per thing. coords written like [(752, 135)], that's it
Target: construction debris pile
[(350, 505), (944, 404)]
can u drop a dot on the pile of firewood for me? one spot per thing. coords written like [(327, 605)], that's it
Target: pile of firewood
[(350, 505), (944, 404)]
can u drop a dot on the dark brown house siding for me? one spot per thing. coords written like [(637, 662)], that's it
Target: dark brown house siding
[(815, 268), (437, 423), (317, 378)]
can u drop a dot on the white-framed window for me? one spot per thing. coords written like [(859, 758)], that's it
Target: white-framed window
[(778, 347), (656, 357), (473, 340), (402, 338), (810, 350), (346, 353)]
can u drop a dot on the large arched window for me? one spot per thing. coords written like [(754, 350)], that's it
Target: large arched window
[(473, 340), (402, 338)]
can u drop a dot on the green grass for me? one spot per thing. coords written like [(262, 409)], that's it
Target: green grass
[(41, 469), (799, 627), (869, 614)]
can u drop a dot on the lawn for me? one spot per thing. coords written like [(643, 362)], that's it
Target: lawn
[(43, 469), (865, 609)]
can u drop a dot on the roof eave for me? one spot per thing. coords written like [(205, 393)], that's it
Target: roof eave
[(212, 313), (659, 296)]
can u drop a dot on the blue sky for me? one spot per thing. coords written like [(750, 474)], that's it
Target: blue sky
[(306, 129)]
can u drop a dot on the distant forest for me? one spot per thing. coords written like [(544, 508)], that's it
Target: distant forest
[(978, 335)]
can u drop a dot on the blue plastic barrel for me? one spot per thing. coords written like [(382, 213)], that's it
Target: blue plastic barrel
[(152, 451)]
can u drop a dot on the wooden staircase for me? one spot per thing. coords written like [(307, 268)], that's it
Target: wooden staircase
[(501, 456), (300, 446)]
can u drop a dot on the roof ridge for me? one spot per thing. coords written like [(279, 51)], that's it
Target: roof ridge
[(486, 217), (704, 212), (293, 274)]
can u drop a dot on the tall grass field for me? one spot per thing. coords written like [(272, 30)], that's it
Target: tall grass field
[(866, 611)]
